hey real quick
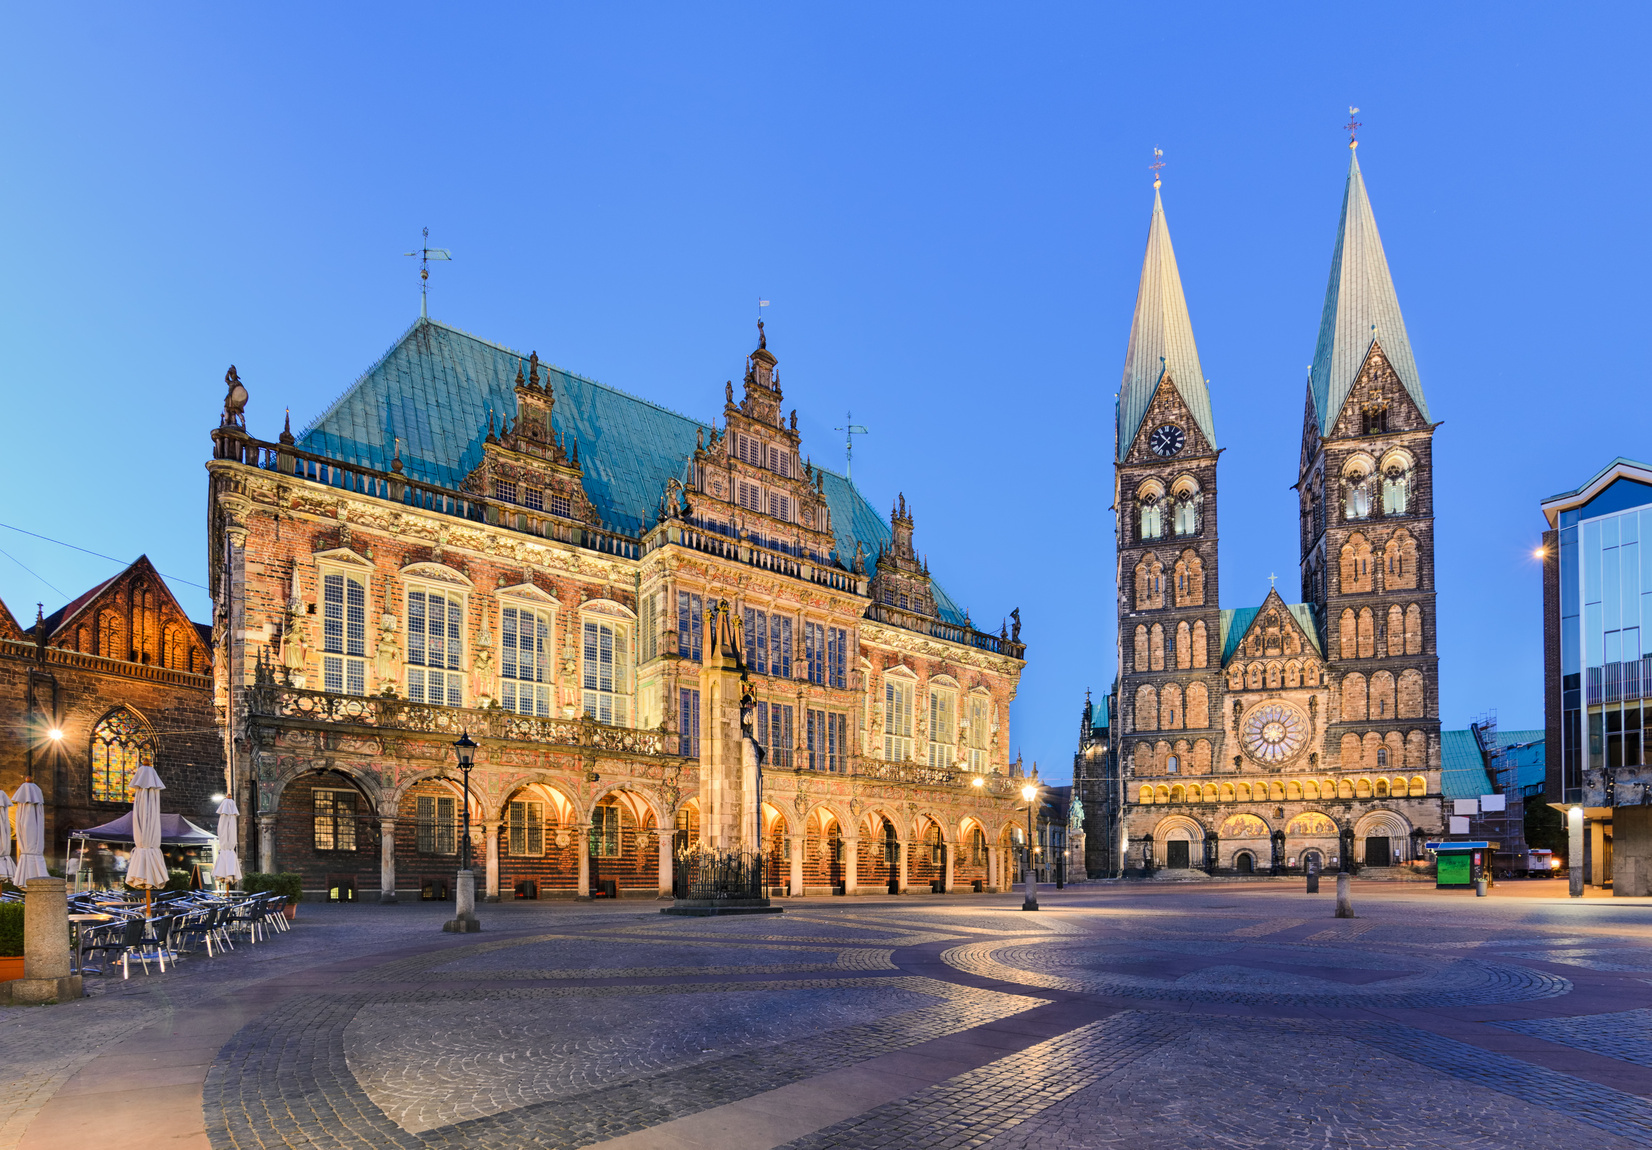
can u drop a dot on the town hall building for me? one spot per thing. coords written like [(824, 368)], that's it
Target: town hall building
[(1272, 736), (470, 541)]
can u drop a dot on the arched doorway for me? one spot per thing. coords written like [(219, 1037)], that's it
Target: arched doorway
[(622, 846), (538, 844), (1245, 863)]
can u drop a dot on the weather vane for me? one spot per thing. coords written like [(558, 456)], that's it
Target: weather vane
[(1158, 162), (850, 429), (426, 254), (1352, 126)]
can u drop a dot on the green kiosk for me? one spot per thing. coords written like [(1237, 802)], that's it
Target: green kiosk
[(1459, 864)]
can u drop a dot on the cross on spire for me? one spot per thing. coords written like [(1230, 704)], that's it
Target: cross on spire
[(1158, 162), (1352, 126), (1271, 579)]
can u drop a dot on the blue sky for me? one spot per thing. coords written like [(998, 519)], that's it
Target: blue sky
[(946, 203)]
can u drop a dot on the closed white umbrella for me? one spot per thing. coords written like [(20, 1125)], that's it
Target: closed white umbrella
[(227, 866), (7, 869), (31, 834), (148, 866)]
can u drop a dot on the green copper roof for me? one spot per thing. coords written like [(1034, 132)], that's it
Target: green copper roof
[(1237, 620), (1161, 341), (1462, 770), (1360, 306), (434, 390)]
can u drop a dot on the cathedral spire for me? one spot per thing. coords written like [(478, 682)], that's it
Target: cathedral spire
[(1361, 307), (1161, 341)]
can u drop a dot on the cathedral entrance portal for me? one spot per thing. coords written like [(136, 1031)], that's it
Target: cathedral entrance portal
[(1176, 854)]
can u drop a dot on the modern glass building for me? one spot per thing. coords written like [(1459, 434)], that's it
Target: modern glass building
[(1597, 609)]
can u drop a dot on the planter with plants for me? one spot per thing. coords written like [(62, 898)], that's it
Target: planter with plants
[(289, 883), (11, 941)]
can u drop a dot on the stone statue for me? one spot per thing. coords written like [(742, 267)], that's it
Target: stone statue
[(1015, 625), (481, 666), (235, 398), (387, 656), (294, 654), (728, 391), (860, 558)]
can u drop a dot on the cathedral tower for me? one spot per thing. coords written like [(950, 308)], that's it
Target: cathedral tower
[(1367, 511), (1165, 498)]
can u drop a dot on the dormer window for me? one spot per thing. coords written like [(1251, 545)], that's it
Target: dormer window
[(504, 491), (780, 461), (533, 499), (563, 506), (780, 506)]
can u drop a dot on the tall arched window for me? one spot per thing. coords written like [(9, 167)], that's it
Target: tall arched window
[(1186, 499), (120, 745), (1396, 489), (1152, 517), (1358, 502)]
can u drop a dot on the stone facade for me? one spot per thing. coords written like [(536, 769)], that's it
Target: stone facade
[(1260, 740), (125, 677), (382, 615)]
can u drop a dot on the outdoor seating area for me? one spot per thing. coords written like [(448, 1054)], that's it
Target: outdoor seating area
[(110, 931)]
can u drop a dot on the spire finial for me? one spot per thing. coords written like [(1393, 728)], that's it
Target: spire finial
[(1352, 126), (426, 254), (1158, 162)]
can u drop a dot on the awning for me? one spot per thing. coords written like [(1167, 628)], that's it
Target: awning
[(175, 831), (1456, 846)]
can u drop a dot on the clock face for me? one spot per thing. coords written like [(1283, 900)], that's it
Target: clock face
[(1274, 732), (1167, 440)]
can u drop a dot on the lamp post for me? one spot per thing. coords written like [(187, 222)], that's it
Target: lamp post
[(464, 896), (466, 749), (1030, 901)]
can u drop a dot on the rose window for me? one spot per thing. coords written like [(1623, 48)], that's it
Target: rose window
[(1274, 732)]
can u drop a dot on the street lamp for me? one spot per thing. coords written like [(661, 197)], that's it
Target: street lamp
[(464, 895), (1030, 902), (466, 749)]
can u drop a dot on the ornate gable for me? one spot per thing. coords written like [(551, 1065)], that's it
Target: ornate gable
[(530, 477), (8, 624), (134, 618), (1168, 407), (1274, 631), (1378, 402)]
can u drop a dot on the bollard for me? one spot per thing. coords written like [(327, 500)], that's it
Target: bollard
[(1030, 900), (46, 967), (1345, 908), (464, 919), (1313, 882)]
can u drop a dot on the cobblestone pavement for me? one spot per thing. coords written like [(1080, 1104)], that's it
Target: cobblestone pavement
[(1119, 1016)]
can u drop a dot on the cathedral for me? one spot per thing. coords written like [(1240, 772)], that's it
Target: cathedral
[(472, 544), (1272, 737)]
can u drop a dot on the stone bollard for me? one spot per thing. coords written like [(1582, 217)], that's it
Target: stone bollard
[(1345, 908), (464, 919), (1029, 901), (1313, 882), (46, 967)]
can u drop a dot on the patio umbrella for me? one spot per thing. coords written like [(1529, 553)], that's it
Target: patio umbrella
[(6, 867), (227, 866), (31, 834), (147, 868)]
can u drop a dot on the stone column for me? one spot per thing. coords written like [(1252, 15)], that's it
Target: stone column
[(851, 859), (1597, 852), (266, 843), (949, 856), (1574, 851), (46, 976), (491, 830), (387, 859), (665, 864), (582, 848), (794, 849), (905, 864)]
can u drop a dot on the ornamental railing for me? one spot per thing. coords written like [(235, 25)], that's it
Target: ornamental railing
[(386, 712), (936, 628), (711, 875)]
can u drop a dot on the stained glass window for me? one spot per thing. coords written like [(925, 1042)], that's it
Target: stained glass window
[(120, 745)]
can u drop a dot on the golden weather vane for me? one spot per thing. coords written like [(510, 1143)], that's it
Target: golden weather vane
[(1352, 126), (1158, 162)]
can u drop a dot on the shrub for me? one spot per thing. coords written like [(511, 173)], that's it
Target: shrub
[(11, 929), (289, 883)]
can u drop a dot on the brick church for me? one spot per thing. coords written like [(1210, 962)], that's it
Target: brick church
[(472, 541), (1272, 736)]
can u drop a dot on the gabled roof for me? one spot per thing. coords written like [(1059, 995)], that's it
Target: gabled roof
[(71, 609), (1161, 342), (64, 617), (1236, 623), (435, 388), (1360, 307), (9, 627)]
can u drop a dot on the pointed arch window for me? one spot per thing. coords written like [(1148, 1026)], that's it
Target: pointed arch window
[(1396, 489), (1358, 501), (1152, 517), (121, 744)]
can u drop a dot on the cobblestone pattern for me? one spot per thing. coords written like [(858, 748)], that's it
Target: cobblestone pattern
[(1461, 982), (1625, 1035), (1140, 1079), (285, 1079), (1630, 959)]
